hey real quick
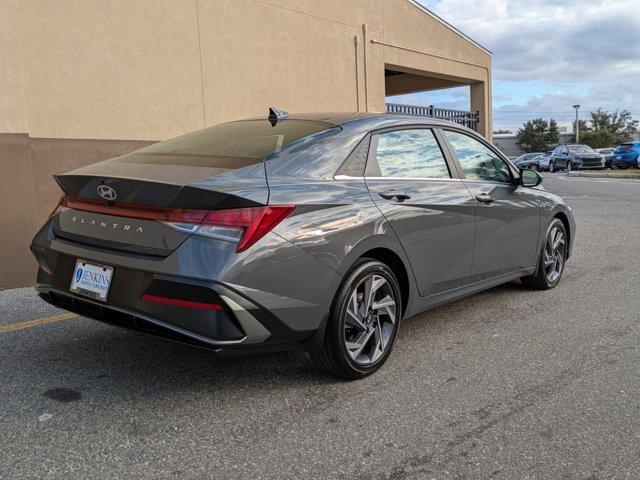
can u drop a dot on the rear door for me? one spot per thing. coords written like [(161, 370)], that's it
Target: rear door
[(430, 210), (507, 214)]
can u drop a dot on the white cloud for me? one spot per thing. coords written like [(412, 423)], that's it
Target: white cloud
[(549, 55)]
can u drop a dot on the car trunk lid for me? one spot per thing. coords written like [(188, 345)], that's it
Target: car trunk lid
[(120, 204)]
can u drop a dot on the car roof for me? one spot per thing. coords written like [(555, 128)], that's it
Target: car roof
[(372, 119)]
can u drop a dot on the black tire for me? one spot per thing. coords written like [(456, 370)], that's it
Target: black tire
[(534, 167), (569, 167), (540, 280), (551, 167), (333, 356)]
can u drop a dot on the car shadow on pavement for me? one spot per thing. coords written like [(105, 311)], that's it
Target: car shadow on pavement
[(117, 364)]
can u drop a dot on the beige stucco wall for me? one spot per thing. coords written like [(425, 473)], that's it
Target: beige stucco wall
[(84, 80), (151, 69), (12, 118), (111, 70)]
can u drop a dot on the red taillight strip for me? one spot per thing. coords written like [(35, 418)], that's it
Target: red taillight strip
[(253, 222), (141, 212), (256, 221), (176, 302)]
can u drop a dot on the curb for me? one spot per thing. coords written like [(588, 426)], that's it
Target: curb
[(604, 175)]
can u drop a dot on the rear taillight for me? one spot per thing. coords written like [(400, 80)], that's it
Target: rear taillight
[(246, 225), (60, 207), (243, 225)]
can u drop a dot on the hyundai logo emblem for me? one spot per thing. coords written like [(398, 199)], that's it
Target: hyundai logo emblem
[(106, 192)]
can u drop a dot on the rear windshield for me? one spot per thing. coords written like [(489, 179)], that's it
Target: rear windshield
[(237, 143)]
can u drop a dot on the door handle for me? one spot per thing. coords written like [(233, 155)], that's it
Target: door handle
[(485, 198), (399, 196)]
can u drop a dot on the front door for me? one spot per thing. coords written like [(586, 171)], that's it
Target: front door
[(431, 212), (507, 214)]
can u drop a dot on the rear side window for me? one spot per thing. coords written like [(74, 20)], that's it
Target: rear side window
[(237, 144), (410, 154)]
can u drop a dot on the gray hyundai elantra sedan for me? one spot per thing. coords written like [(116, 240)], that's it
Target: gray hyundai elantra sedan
[(318, 232)]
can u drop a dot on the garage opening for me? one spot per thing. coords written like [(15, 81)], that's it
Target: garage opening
[(429, 95)]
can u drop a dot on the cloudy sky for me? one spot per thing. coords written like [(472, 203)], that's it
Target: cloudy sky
[(548, 56)]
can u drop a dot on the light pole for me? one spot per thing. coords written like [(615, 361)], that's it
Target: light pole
[(577, 107)]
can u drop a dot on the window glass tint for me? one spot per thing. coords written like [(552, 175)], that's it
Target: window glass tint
[(246, 141), (478, 161), (410, 153), (581, 149)]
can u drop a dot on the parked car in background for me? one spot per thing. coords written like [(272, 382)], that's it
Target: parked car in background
[(608, 155), (543, 161), (531, 164), (524, 161), (572, 157), (626, 155)]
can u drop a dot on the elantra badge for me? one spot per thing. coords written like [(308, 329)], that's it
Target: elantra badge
[(106, 192)]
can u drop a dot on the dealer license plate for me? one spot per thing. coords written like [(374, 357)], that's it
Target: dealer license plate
[(91, 280)]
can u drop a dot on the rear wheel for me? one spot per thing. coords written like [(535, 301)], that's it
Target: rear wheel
[(569, 167), (552, 258), (552, 167), (534, 167), (363, 322)]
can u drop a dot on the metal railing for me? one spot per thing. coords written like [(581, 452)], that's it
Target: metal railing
[(462, 117)]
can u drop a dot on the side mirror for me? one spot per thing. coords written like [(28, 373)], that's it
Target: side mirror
[(529, 178)]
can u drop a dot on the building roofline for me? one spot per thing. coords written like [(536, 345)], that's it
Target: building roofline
[(448, 25)]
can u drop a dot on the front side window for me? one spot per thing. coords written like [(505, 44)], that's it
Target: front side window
[(478, 161), (410, 154)]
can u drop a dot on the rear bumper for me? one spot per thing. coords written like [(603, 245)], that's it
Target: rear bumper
[(262, 304), (240, 326)]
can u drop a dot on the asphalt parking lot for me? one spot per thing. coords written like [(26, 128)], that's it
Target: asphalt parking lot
[(506, 384)]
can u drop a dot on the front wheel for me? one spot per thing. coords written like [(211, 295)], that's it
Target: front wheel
[(552, 258), (363, 322)]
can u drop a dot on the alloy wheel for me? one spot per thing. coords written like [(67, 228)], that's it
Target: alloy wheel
[(370, 320), (554, 254)]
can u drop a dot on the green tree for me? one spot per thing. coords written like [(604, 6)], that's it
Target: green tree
[(607, 129), (584, 127), (538, 135)]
